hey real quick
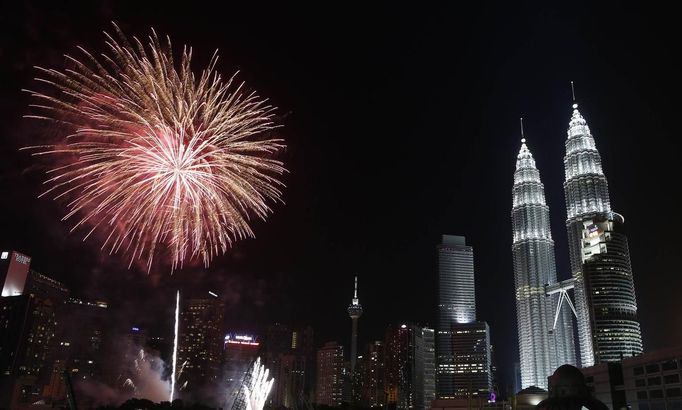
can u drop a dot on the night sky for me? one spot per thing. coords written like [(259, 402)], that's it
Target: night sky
[(401, 124)]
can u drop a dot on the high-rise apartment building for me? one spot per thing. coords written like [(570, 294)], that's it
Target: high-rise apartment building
[(372, 371), (330, 375), (425, 367), (400, 366), (410, 372)]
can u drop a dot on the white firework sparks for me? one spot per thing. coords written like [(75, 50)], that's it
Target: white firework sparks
[(175, 347), (257, 388)]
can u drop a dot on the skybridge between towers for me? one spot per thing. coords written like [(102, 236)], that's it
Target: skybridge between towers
[(562, 289)]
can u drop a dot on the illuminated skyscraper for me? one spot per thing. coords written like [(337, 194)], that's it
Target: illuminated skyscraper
[(545, 339), (410, 367), (354, 311), (600, 261), (330, 377), (201, 338), (28, 322), (472, 375), (424, 367), (456, 304), (456, 293), (373, 375), (456, 357)]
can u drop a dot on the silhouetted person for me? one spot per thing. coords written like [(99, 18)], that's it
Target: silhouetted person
[(568, 391)]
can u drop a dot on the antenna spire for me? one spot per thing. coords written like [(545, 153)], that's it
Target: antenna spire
[(575, 104), (523, 138), (355, 295)]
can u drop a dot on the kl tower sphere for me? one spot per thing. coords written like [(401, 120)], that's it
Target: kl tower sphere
[(354, 311)]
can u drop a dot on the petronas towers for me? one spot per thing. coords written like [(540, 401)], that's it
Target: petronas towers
[(544, 344), (601, 275)]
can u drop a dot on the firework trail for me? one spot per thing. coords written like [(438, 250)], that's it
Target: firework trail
[(182, 368), (155, 158), (175, 347), (257, 387)]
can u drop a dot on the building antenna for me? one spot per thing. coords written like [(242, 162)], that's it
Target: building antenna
[(575, 104), (523, 138)]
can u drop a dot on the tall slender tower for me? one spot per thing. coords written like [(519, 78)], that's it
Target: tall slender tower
[(544, 344), (462, 343), (354, 311), (600, 261)]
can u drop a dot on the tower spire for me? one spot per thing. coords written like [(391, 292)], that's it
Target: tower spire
[(355, 294), (523, 138), (573, 92)]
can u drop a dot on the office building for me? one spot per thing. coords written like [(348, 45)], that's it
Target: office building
[(461, 340), (200, 340), (545, 337), (607, 323)]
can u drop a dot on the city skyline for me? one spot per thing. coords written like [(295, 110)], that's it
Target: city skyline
[(427, 148)]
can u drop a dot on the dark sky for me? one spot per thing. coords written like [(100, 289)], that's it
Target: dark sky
[(401, 124)]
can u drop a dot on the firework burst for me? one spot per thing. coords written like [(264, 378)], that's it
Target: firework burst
[(154, 157), (257, 388)]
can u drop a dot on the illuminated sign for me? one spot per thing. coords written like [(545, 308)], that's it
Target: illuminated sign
[(136, 329), (245, 338), (4, 255), (239, 339)]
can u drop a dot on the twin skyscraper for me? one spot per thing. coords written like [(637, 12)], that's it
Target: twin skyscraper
[(605, 308)]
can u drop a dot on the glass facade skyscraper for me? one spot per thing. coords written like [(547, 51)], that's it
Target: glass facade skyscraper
[(463, 362), (456, 293), (600, 262), (545, 340)]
